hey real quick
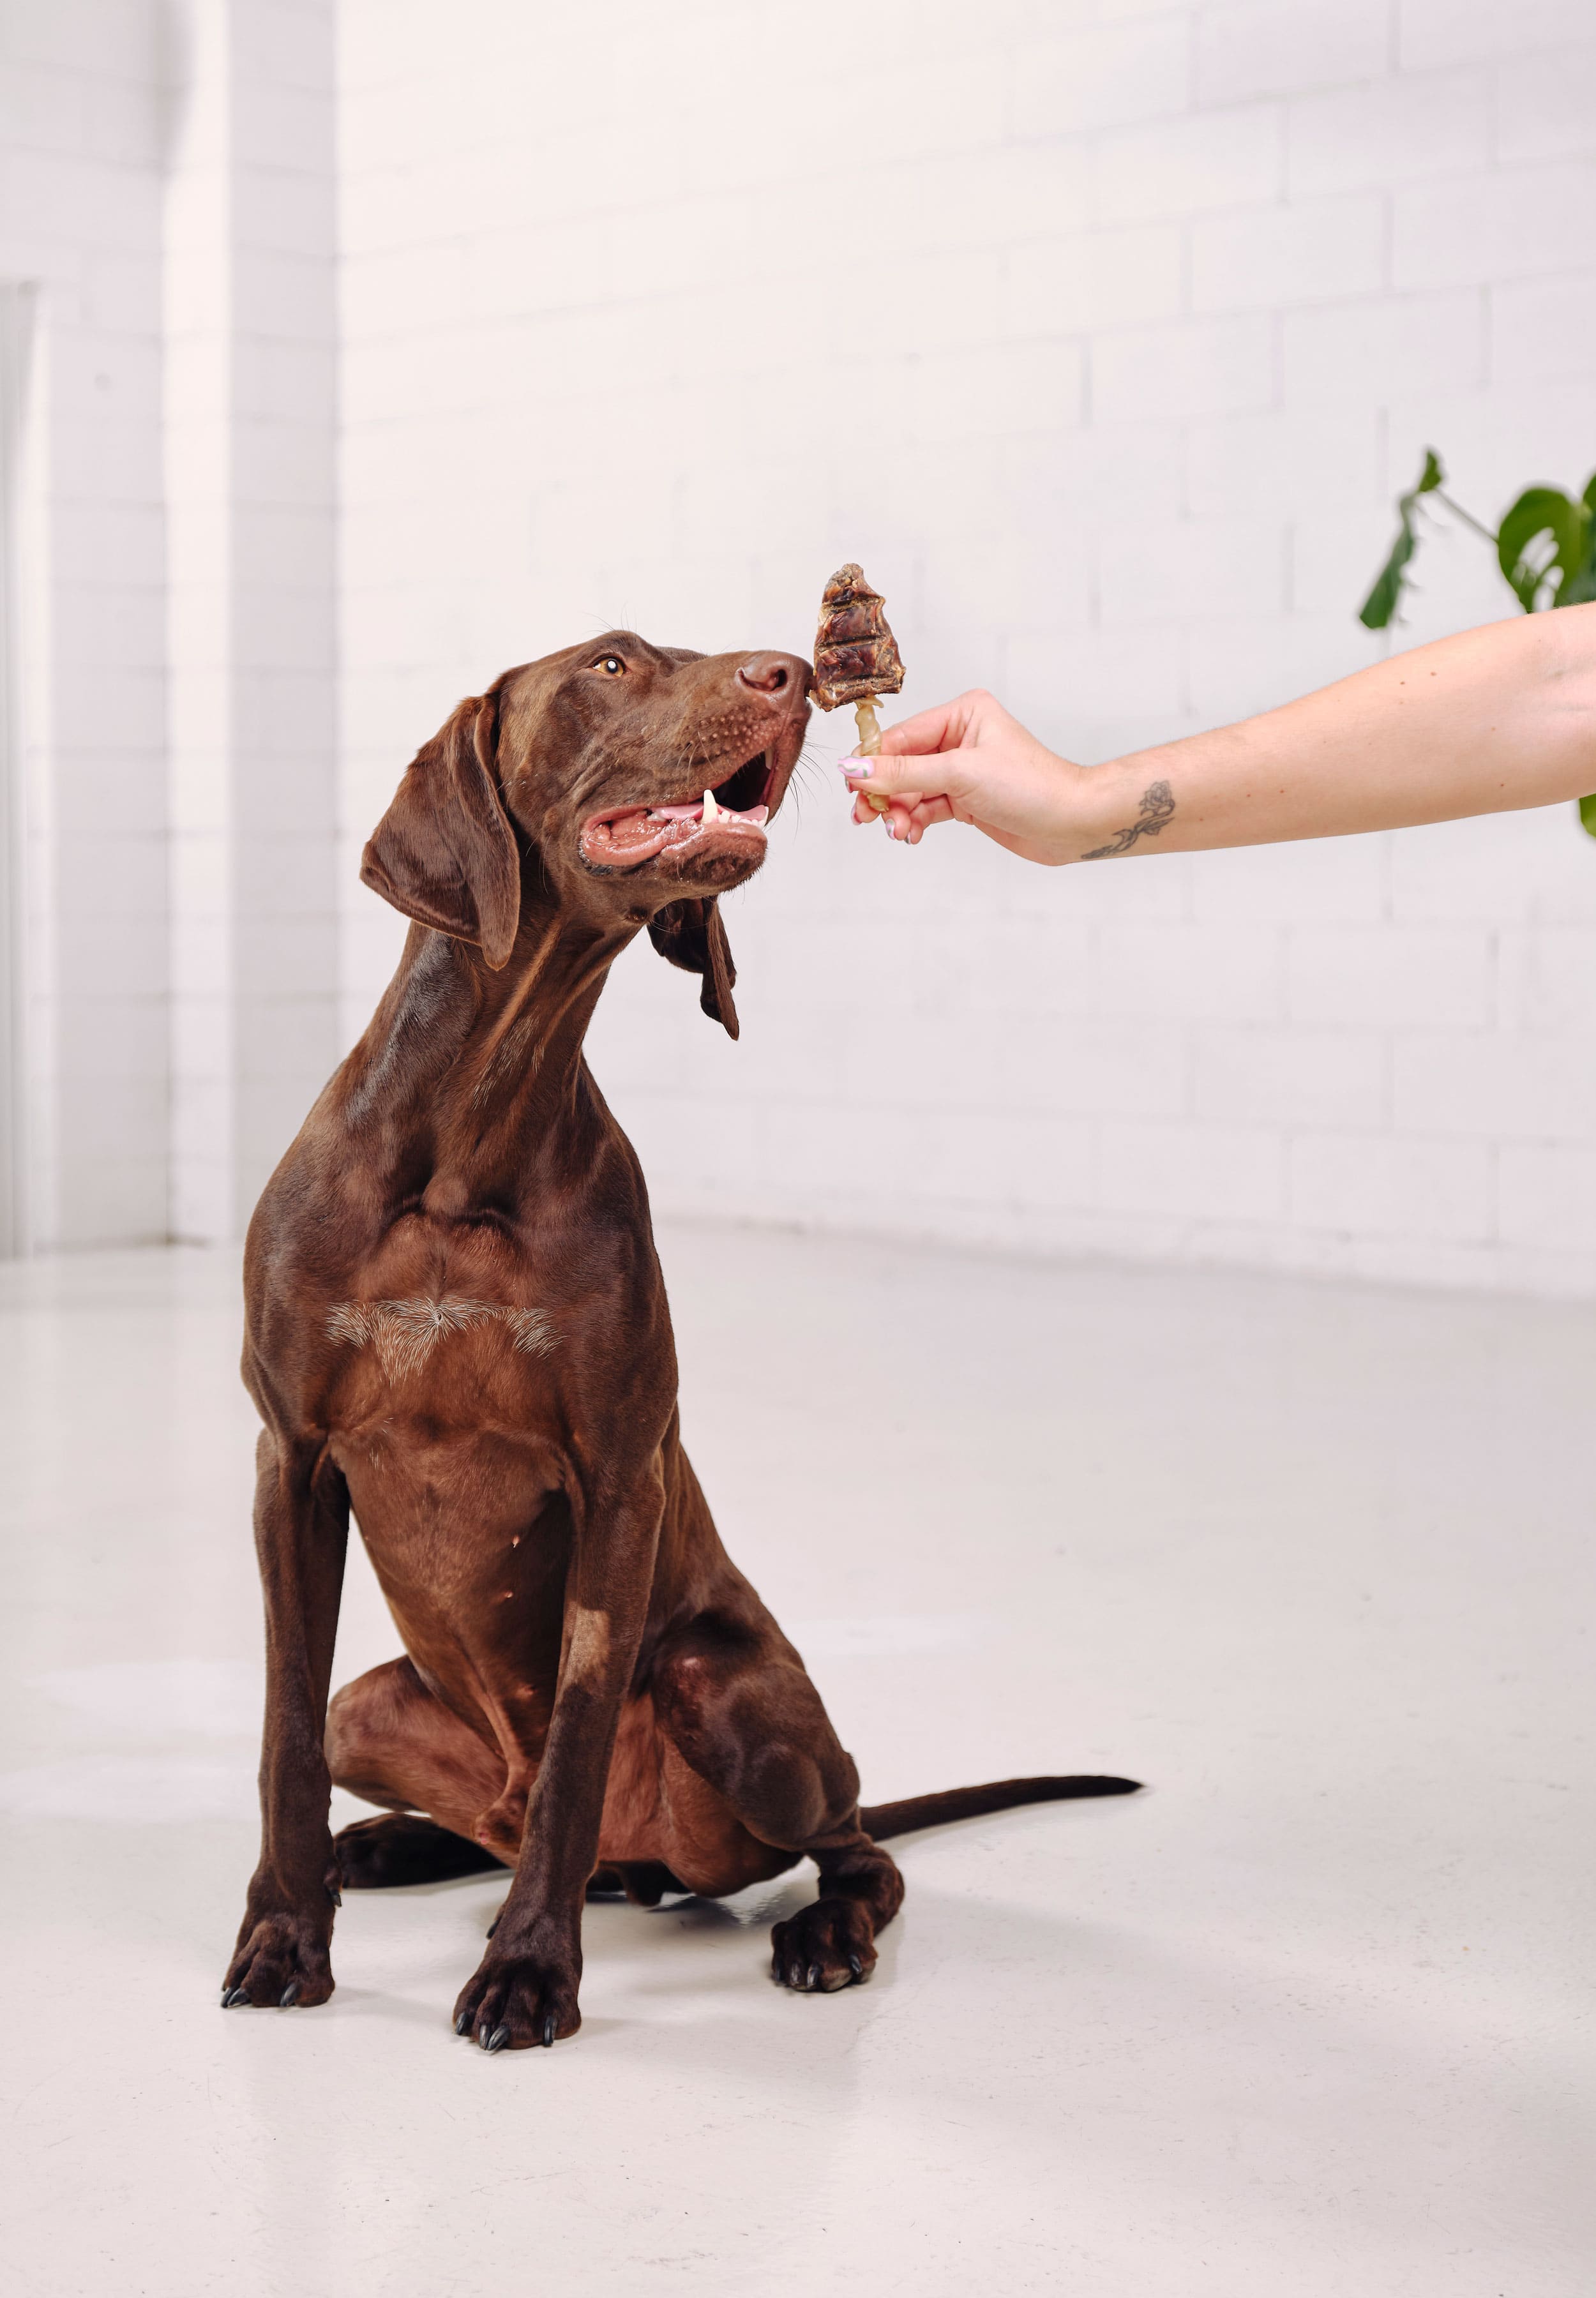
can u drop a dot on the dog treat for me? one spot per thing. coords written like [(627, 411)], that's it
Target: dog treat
[(855, 656)]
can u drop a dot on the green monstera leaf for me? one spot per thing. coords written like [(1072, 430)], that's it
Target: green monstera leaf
[(1577, 591), (1578, 588), (1542, 546), (1389, 584)]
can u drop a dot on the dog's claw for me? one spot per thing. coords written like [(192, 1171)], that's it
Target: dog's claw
[(496, 2040), (462, 2025), (289, 1996), (856, 1966), (548, 2032), (239, 1995), (812, 1978)]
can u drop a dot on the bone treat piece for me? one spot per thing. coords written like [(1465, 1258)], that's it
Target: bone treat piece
[(855, 656)]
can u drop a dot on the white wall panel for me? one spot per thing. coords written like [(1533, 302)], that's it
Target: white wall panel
[(80, 229), (251, 384)]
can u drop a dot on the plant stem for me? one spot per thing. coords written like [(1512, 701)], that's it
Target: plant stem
[(1466, 516)]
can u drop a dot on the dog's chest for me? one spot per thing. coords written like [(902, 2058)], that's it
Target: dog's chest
[(440, 1504), (444, 1356), (451, 1325), (444, 1416)]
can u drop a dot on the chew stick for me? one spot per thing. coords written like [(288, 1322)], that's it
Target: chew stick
[(856, 657), (869, 726)]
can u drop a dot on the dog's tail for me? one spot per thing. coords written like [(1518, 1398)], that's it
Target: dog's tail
[(880, 1820)]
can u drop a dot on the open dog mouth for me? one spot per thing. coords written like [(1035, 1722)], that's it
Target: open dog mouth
[(728, 815)]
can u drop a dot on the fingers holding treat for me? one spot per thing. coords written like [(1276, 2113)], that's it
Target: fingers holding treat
[(965, 760), (905, 816), (924, 814), (969, 761), (906, 813)]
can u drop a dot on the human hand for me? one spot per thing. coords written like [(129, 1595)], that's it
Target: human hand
[(969, 761)]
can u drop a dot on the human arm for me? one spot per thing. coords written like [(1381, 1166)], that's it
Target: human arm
[(1484, 723)]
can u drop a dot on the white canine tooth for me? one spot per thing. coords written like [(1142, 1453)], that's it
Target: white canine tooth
[(711, 811)]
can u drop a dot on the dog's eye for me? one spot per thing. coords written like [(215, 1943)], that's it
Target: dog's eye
[(610, 664)]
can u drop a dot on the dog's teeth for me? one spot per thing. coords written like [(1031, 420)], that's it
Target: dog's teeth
[(711, 811)]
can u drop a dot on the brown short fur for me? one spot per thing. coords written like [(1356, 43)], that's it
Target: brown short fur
[(457, 1328)]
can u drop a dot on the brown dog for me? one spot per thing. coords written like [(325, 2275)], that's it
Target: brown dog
[(457, 1326)]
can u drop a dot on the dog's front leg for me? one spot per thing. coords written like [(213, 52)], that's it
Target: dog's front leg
[(523, 1991), (301, 1530)]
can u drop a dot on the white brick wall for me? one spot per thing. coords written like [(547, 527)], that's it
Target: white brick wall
[(80, 229), (1103, 335), (1103, 332)]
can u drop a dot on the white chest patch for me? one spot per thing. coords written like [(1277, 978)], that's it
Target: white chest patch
[(405, 1332)]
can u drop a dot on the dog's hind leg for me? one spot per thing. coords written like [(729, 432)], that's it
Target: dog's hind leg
[(732, 1698), (376, 1855), (832, 1943), (390, 1741)]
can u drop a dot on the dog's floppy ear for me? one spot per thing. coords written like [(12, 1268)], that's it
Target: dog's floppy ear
[(444, 853), (691, 934)]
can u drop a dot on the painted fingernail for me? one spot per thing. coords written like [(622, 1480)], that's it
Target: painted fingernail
[(857, 770)]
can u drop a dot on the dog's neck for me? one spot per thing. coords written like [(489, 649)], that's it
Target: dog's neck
[(470, 1082)]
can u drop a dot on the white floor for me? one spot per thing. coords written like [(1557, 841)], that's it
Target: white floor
[(1303, 2019)]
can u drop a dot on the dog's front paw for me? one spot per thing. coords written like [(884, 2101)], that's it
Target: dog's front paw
[(282, 1959), (828, 1944), (515, 2000)]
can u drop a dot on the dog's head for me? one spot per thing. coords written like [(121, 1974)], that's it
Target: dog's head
[(635, 781)]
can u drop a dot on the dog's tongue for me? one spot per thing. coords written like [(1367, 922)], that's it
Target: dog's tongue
[(630, 829), (636, 835)]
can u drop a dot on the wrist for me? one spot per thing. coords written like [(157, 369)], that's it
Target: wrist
[(1082, 809), (1118, 808)]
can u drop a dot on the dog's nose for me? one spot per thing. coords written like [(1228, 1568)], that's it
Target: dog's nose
[(773, 674)]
